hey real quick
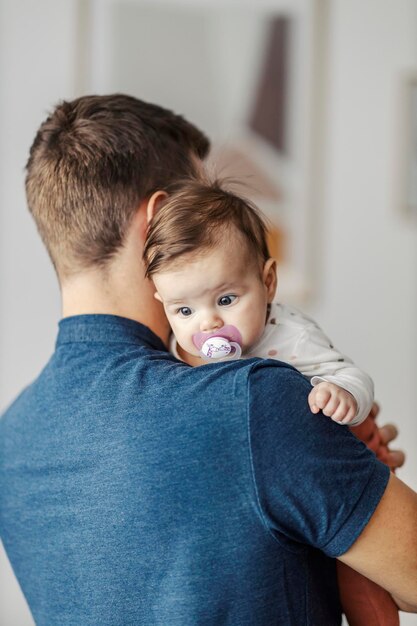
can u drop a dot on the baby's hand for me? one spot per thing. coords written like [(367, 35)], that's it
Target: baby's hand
[(334, 401)]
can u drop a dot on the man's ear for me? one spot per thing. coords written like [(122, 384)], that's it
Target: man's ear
[(154, 203), (146, 211), (269, 278)]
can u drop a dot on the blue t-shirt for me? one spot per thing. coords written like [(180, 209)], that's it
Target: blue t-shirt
[(138, 490)]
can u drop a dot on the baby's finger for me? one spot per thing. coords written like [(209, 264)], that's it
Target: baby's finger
[(322, 397), (331, 407), (341, 412), (312, 402), (350, 415), (313, 406)]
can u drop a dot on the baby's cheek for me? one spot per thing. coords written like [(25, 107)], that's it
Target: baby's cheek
[(184, 337), (256, 329), (176, 330)]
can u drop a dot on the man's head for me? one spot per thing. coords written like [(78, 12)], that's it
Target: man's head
[(92, 163), (207, 253)]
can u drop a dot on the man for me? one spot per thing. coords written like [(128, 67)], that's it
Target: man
[(138, 490)]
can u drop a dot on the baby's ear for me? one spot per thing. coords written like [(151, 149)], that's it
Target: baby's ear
[(157, 297), (269, 277)]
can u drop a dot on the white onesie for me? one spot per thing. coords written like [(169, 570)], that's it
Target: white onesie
[(295, 338)]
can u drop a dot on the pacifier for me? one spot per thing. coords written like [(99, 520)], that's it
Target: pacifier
[(220, 348), (223, 344)]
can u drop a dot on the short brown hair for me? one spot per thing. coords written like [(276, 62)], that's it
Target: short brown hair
[(195, 218), (92, 162)]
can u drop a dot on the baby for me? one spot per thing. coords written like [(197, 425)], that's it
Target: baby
[(207, 253)]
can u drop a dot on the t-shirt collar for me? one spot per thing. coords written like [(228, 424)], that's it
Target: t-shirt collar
[(106, 329)]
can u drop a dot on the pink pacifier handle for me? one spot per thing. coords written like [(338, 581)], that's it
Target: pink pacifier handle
[(228, 332)]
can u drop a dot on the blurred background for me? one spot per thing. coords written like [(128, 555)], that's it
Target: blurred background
[(312, 103)]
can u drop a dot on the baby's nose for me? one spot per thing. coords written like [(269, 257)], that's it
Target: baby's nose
[(211, 323)]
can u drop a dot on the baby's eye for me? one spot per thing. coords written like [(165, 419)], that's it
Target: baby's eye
[(226, 300), (185, 311)]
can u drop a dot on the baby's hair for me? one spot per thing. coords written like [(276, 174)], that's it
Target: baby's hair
[(196, 218)]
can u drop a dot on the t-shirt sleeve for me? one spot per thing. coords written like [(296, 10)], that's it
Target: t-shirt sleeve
[(316, 483)]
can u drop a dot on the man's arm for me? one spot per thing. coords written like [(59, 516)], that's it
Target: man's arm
[(386, 550), (319, 486)]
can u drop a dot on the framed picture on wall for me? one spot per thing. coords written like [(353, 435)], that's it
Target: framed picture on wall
[(251, 76), (408, 157)]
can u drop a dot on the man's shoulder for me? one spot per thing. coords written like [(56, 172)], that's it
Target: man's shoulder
[(240, 383), (16, 405), (253, 371), (272, 373)]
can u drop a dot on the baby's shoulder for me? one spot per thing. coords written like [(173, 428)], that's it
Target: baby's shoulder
[(287, 314)]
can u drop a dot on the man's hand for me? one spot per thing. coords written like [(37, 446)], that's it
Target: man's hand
[(378, 439), (334, 402)]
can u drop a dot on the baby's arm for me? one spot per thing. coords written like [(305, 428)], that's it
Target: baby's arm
[(341, 390)]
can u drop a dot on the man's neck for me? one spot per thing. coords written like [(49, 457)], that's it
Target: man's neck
[(115, 292)]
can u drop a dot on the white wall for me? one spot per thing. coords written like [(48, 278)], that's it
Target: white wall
[(37, 52), (368, 300), (368, 283)]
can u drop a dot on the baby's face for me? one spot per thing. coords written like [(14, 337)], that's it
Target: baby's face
[(221, 287)]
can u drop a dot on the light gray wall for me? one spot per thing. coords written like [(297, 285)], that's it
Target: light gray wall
[(36, 70), (368, 300)]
